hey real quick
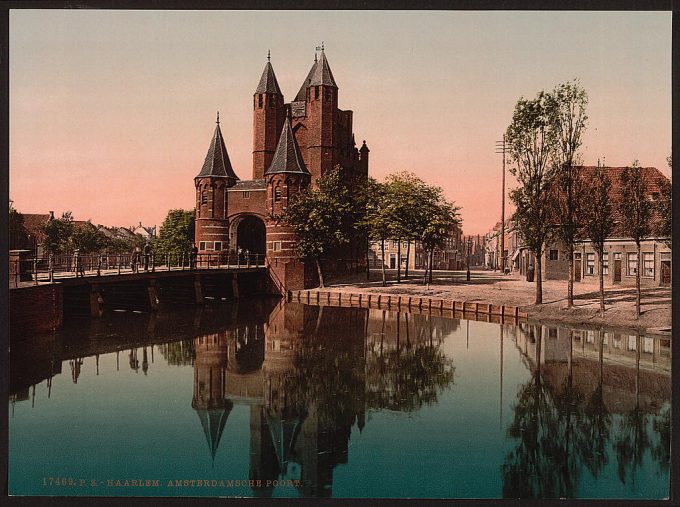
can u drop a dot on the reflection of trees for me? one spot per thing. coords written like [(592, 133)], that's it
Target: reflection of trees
[(560, 432), (661, 450), (405, 376), (631, 442), (180, 353), (532, 469)]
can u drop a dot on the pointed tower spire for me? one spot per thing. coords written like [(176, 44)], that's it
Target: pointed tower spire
[(322, 74), (268, 82), (287, 157), (217, 164)]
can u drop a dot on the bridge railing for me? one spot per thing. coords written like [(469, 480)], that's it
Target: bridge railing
[(46, 269)]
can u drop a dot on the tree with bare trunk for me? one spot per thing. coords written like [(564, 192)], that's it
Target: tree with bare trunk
[(567, 115), (599, 218), (636, 210), (532, 142)]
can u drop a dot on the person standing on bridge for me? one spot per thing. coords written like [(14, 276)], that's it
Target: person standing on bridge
[(78, 263), (193, 256), (134, 259), (147, 255)]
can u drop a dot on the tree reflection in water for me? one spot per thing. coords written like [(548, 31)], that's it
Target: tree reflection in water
[(560, 432)]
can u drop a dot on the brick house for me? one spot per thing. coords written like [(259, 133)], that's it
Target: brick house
[(620, 258), (294, 144), (450, 257)]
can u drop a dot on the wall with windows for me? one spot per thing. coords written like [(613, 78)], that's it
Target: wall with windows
[(619, 263)]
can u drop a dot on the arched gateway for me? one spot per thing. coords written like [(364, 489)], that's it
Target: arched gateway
[(248, 232)]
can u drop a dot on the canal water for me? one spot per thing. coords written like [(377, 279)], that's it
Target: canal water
[(261, 398)]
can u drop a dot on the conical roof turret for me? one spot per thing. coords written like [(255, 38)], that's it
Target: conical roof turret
[(287, 157), (268, 82), (322, 74), (217, 163)]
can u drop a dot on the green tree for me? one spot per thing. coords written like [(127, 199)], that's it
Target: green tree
[(599, 219), (57, 233), (664, 208), (566, 106), (407, 193), (88, 239), (16, 229), (440, 218), (532, 142), (378, 220), (636, 210), (322, 218), (176, 234)]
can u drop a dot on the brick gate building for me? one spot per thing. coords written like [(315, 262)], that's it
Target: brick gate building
[(294, 144)]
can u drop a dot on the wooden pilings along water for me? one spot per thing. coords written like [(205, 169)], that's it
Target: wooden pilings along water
[(471, 310)]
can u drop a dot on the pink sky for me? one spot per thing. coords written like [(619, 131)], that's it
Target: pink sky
[(112, 112)]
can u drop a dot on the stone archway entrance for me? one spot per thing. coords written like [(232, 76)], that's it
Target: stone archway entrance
[(250, 234)]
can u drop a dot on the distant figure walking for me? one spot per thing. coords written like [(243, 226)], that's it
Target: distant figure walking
[(147, 255)]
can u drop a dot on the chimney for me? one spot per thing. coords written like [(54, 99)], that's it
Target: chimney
[(51, 215)]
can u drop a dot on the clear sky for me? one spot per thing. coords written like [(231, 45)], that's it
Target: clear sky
[(112, 112)]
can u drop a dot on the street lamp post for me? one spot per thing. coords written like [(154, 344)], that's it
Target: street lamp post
[(469, 245)]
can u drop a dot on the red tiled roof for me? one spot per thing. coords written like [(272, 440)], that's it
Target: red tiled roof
[(653, 178), (33, 223)]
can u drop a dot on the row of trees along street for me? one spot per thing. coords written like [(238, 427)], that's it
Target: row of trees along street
[(403, 207), (555, 200)]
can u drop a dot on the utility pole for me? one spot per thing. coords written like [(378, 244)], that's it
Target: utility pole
[(501, 147)]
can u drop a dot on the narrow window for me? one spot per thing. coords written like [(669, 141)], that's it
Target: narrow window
[(316, 92), (648, 264), (201, 245), (632, 263), (329, 94), (276, 246), (554, 255), (277, 194), (590, 264), (259, 100), (204, 197), (246, 194), (218, 246), (605, 263)]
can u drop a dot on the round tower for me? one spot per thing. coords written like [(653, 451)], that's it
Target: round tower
[(286, 177), (216, 176)]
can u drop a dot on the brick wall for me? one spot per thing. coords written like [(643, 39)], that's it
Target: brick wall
[(37, 309)]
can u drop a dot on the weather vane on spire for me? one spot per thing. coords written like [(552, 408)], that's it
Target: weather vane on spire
[(320, 48), (218, 117), (269, 55)]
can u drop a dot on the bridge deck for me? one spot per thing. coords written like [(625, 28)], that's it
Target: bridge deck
[(112, 275)]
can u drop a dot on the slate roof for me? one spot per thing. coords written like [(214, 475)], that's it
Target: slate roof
[(268, 82), (302, 94), (287, 157), (249, 185), (322, 74), (217, 164)]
